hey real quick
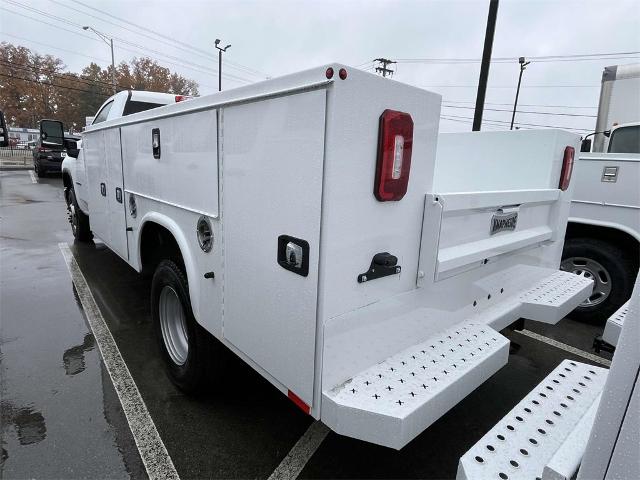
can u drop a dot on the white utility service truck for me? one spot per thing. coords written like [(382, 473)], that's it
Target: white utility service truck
[(308, 224), (603, 235)]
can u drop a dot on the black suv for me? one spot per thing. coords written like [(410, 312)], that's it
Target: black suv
[(48, 158)]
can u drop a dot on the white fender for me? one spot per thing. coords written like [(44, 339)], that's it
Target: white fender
[(185, 250)]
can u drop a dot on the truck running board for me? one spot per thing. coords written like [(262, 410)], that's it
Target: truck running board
[(393, 401), (554, 297), (545, 435)]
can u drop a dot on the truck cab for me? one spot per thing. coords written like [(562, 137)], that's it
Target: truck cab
[(119, 105)]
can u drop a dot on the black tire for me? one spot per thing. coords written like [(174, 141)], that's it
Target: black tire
[(39, 171), (618, 269), (197, 371), (80, 225)]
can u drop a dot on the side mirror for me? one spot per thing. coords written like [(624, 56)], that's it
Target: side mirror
[(52, 133), (586, 145), (71, 146)]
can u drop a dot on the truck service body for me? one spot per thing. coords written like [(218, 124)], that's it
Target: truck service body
[(326, 242), (603, 234)]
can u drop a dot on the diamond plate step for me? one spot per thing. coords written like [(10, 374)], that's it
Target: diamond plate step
[(554, 297), (394, 401), (545, 435), (614, 325)]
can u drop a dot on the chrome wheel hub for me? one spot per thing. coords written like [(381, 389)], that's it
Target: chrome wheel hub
[(73, 218), (173, 324), (589, 268)]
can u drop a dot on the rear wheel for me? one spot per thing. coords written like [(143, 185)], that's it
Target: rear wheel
[(186, 348), (610, 269), (79, 221)]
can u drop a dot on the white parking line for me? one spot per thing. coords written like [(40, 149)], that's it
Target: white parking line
[(154, 454), (565, 347), (302, 451), (34, 179)]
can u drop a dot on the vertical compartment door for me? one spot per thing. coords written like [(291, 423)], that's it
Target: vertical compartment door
[(272, 188), (93, 146), (115, 185)]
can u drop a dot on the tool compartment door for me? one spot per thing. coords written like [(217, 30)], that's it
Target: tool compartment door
[(272, 186)]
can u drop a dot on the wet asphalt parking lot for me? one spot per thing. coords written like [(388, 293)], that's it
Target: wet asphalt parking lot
[(62, 417)]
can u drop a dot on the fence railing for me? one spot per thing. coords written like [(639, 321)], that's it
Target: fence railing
[(15, 156)]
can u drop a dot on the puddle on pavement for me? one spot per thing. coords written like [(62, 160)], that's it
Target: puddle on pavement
[(73, 358), (28, 423)]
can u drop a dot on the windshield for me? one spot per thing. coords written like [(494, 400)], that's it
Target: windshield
[(625, 140)]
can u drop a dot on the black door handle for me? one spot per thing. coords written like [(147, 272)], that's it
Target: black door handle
[(118, 195), (103, 189)]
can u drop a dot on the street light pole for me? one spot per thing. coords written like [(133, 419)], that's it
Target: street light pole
[(108, 41), (523, 66), (220, 50)]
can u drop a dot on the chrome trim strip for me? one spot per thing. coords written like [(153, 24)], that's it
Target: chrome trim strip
[(605, 204)]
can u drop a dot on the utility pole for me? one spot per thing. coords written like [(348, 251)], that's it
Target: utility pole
[(220, 51), (486, 62), (523, 66), (108, 41), (383, 70)]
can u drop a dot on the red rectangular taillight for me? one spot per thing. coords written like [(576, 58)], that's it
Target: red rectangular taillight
[(567, 168), (395, 141)]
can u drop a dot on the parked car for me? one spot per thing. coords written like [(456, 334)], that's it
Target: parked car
[(48, 154)]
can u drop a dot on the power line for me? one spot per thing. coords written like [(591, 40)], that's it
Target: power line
[(52, 84), (525, 111), (64, 75), (54, 48), (510, 86), (103, 60), (525, 124), (470, 121), (525, 104), (57, 27), (185, 63), (201, 52), (543, 58)]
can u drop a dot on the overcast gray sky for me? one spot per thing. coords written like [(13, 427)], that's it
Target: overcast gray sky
[(277, 37)]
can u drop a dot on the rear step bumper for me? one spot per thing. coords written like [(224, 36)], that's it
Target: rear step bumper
[(546, 434), (393, 401), (614, 325), (554, 297)]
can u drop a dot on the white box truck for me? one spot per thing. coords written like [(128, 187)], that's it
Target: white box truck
[(603, 235), (307, 224)]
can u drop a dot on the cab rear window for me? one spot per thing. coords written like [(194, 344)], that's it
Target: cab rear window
[(133, 106), (625, 140)]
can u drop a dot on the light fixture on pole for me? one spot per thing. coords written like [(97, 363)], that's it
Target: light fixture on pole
[(523, 66), (108, 41), (220, 50)]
